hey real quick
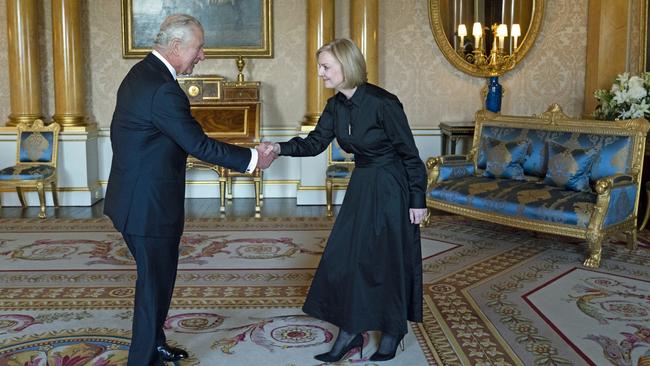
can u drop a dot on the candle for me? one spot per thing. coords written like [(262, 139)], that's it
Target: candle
[(462, 32), (502, 32), (515, 32), (477, 32)]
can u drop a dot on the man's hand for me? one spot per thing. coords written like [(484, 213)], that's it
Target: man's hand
[(417, 215), (265, 155)]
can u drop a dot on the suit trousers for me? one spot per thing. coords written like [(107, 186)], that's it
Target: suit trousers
[(156, 259)]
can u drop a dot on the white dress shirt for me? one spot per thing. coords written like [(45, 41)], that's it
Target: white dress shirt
[(253, 163)]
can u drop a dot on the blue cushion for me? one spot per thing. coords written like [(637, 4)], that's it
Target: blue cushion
[(614, 156), (499, 133), (455, 170), (569, 168), (26, 172), (505, 158), (36, 146), (338, 154), (339, 170)]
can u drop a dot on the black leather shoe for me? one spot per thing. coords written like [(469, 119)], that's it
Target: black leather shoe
[(168, 353)]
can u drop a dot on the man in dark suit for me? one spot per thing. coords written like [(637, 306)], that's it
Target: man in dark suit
[(152, 133)]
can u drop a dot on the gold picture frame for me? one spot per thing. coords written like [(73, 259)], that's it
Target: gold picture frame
[(232, 27)]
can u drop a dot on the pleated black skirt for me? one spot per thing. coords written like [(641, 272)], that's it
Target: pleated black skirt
[(370, 274)]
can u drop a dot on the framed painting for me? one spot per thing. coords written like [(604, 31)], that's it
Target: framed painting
[(232, 27)]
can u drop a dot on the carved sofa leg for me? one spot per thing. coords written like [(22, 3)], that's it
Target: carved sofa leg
[(595, 248)]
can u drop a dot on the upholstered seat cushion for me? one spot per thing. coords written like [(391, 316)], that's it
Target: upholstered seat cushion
[(339, 170), (521, 199), (26, 172)]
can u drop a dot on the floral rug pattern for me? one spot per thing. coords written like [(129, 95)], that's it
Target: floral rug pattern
[(493, 296)]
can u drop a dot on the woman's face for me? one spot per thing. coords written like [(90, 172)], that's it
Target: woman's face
[(329, 69)]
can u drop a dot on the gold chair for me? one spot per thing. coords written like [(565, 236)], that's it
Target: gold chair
[(36, 154), (337, 175)]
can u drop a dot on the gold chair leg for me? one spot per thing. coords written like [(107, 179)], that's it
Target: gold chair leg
[(41, 199), (229, 194), (21, 196), (631, 240), (328, 197), (222, 194), (55, 195), (258, 192)]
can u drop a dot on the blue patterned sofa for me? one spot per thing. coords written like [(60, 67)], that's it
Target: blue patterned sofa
[(548, 173)]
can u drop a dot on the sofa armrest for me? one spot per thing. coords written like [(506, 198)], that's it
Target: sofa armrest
[(617, 197), (447, 167)]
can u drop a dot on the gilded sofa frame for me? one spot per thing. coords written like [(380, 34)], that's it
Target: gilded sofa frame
[(38, 184), (555, 120)]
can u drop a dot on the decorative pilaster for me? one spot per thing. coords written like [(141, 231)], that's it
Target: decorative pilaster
[(320, 30), (364, 24), (23, 54), (608, 44), (69, 87)]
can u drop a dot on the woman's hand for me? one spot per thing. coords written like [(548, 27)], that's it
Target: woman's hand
[(417, 215)]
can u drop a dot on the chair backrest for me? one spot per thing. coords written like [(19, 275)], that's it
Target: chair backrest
[(338, 155), (37, 143)]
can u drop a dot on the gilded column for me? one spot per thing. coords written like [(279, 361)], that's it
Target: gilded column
[(364, 23), (69, 88), (320, 30), (23, 54)]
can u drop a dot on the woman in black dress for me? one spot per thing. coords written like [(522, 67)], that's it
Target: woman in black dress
[(370, 274)]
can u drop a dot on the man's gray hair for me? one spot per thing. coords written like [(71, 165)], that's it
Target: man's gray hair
[(176, 26)]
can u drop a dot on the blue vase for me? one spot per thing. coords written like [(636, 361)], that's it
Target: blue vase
[(494, 93)]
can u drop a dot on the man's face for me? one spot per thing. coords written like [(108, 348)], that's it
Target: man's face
[(190, 53), (329, 69)]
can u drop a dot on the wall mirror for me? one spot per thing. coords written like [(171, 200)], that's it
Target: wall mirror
[(485, 37)]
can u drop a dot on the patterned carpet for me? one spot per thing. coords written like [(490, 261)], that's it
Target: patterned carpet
[(493, 296)]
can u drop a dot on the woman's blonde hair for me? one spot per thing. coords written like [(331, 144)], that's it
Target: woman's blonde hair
[(351, 59)]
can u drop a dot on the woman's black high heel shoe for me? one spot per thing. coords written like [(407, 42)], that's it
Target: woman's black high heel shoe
[(378, 356), (357, 342)]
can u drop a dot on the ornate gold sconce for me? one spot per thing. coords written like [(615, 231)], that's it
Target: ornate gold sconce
[(451, 22), (498, 61)]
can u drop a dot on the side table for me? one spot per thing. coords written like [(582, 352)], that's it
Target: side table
[(454, 131)]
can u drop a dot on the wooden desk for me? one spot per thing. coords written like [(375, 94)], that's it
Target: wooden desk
[(230, 112), (454, 131)]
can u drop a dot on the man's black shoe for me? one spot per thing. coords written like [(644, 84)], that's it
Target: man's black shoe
[(168, 353)]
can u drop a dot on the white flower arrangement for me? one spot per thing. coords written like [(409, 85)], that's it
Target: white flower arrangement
[(628, 98)]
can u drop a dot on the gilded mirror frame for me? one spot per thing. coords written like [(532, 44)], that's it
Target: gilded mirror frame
[(461, 64)]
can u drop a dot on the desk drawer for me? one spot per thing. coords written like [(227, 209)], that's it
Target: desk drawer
[(240, 93)]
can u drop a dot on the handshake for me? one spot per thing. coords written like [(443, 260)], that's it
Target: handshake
[(266, 153)]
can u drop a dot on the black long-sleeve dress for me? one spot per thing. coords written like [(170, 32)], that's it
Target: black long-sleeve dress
[(370, 274)]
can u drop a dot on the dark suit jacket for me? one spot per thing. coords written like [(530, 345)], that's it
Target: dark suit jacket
[(152, 133)]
